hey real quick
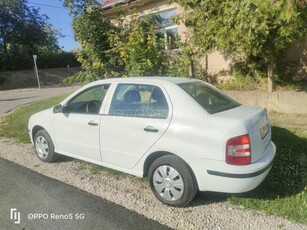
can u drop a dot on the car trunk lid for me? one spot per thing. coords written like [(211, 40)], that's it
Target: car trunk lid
[(258, 127)]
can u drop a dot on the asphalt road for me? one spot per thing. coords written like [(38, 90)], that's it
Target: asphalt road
[(11, 99), (45, 203)]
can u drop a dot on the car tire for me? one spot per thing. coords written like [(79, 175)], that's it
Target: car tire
[(44, 147), (172, 181)]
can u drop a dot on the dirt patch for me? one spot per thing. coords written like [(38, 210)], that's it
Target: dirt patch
[(296, 122), (27, 78)]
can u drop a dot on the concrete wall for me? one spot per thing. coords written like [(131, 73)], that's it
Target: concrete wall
[(283, 101), (27, 78)]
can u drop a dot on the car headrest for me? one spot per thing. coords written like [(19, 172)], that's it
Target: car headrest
[(132, 96)]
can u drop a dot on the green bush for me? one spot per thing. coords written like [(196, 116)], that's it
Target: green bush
[(20, 60), (57, 60), (244, 82), (143, 54)]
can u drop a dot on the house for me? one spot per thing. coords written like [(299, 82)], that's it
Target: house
[(215, 63), (165, 9)]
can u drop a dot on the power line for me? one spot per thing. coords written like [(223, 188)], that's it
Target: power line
[(68, 35), (38, 4)]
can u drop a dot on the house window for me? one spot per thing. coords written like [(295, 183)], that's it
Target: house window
[(167, 30)]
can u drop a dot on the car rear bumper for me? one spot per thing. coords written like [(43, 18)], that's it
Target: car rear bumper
[(220, 177)]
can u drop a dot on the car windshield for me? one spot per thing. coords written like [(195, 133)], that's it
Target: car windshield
[(212, 100)]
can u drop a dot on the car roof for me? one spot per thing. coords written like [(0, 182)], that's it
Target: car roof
[(175, 80)]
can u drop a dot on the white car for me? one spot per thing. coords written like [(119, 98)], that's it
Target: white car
[(184, 134)]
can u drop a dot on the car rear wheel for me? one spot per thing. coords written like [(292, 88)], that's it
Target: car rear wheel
[(44, 147), (172, 181)]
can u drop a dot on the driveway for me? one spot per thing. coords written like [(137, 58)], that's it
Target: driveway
[(11, 99)]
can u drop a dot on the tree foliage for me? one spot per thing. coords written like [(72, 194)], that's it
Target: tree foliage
[(249, 30), (78, 7), (120, 48), (92, 31), (23, 32), (143, 54)]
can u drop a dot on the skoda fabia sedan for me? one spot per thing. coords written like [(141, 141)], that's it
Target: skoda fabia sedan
[(183, 134)]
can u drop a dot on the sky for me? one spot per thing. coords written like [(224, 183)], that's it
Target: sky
[(60, 19)]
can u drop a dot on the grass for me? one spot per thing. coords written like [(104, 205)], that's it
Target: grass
[(283, 193), (15, 124), (95, 169)]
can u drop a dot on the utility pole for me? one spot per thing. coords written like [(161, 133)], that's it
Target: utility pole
[(35, 58)]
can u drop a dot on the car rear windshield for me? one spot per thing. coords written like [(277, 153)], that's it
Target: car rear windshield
[(211, 99)]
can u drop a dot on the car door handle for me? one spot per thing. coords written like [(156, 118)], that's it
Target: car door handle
[(151, 129), (92, 123)]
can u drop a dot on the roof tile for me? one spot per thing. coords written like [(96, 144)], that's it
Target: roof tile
[(109, 3)]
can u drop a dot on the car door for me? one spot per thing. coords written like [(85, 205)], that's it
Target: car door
[(138, 116), (76, 129)]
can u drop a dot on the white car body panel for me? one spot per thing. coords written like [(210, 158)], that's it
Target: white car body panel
[(126, 147), (74, 135), (236, 179), (189, 132)]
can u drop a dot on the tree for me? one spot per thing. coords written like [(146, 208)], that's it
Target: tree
[(143, 53), (248, 29), (93, 30), (120, 48), (95, 34), (78, 7), (23, 32)]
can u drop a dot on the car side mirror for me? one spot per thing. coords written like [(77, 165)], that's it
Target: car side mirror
[(58, 109)]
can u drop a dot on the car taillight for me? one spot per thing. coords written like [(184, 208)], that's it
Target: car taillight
[(238, 150)]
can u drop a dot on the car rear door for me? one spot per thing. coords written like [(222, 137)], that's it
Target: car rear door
[(138, 115)]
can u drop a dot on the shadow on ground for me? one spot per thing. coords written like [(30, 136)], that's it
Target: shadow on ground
[(288, 175), (63, 158), (206, 198)]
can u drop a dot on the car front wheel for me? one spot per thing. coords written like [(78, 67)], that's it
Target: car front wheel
[(44, 147), (172, 181)]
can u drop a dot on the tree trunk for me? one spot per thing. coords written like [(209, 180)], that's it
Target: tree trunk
[(6, 55), (271, 68), (191, 69)]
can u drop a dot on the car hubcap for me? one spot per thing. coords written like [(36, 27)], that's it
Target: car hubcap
[(42, 147), (168, 183)]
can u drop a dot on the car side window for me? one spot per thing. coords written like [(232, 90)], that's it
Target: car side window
[(88, 102), (134, 100)]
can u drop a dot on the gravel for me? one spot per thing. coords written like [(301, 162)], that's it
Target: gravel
[(134, 194)]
